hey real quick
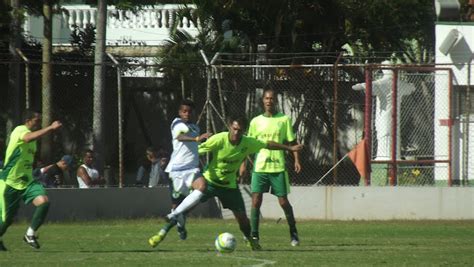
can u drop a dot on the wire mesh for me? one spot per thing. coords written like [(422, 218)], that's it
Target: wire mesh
[(323, 101)]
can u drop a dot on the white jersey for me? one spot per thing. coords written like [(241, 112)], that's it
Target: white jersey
[(93, 174), (185, 154)]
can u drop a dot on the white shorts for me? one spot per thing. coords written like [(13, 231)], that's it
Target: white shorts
[(183, 180)]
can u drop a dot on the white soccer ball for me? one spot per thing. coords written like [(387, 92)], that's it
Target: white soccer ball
[(225, 243)]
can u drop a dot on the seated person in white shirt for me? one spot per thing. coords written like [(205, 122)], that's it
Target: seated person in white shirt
[(87, 175)]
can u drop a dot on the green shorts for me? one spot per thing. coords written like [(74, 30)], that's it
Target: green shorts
[(10, 197), (229, 197), (277, 183)]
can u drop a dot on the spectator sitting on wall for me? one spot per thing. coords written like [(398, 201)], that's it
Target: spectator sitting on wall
[(53, 175), (158, 160), (143, 169), (87, 175)]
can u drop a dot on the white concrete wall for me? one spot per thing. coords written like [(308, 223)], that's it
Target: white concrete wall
[(375, 203), (459, 55), (322, 203)]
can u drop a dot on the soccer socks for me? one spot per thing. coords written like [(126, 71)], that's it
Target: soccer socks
[(190, 201), (30, 231), (290, 218), (40, 214), (254, 221)]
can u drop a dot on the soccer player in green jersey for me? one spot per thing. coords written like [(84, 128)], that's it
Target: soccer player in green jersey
[(16, 178), (228, 150), (269, 171)]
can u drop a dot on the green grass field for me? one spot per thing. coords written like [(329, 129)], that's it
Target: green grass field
[(327, 243)]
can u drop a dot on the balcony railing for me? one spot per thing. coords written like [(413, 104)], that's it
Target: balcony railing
[(149, 26)]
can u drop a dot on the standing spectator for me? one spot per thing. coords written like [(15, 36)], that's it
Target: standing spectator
[(53, 175), (16, 178), (87, 175), (269, 171)]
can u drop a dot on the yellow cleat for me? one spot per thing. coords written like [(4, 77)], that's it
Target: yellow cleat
[(156, 239)]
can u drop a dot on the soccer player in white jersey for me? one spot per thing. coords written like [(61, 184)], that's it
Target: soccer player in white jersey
[(183, 167)]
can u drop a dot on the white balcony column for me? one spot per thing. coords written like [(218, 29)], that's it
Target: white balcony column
[(85, 18), (92, 15)]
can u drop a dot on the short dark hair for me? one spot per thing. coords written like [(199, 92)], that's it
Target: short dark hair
[(240, 119), (163, 154), (152, 150), (187, 102), (88, 150), (29, 114), (268, 89)]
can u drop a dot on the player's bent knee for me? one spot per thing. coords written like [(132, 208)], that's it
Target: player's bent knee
[(39, 200), (200, 184)]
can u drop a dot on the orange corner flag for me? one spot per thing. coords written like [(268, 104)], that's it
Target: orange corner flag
[(360, 158)]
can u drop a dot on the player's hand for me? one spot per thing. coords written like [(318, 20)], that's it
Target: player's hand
[(204, 136), (297, 167), (296, 148), (56, 125)]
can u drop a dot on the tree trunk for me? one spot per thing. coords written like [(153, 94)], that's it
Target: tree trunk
[(99, 86), (14, 88), (46, 79)]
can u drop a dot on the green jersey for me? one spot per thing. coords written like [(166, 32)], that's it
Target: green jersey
[(277, 128), (18, 168), (226, 158)]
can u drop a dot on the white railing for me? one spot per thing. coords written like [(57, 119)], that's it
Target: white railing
[(149, 26), (160, 16)]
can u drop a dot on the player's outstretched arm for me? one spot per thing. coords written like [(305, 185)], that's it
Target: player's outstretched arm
[(185, 138), (38, 134), (277, 146)]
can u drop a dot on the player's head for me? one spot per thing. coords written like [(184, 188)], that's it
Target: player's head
[(268, 99), (88, 157), (32, 119), (237, 126), (186, 109)]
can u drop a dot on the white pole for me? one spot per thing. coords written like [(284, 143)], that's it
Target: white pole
[(326, 174)]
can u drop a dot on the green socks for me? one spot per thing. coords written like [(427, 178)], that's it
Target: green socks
[(290, 218), (254, 221), (40, 214)]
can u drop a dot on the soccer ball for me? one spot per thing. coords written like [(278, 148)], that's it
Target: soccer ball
[(225, 243)]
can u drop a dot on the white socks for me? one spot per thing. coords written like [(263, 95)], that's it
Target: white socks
[(190, 201), (30, 232)]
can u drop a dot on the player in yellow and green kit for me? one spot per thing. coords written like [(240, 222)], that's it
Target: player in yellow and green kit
[(16, 178), (269, 170), (228, 150)]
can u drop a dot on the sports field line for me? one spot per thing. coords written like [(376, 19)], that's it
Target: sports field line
[(263, 261)]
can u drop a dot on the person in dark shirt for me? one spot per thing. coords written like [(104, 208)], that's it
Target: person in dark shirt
[(52, 175)]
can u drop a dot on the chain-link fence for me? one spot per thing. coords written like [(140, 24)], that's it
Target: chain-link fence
[(326, 103), (411, 126)]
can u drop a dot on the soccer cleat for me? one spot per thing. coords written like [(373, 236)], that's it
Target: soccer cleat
[(295, 241), (156, 239), (31, 240), (2, 247), (183, 234), (253, 243)]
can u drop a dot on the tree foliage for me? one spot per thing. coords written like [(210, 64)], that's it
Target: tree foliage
[(325, 26)]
